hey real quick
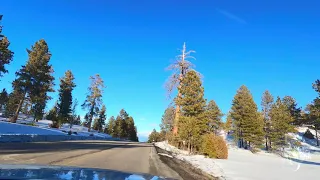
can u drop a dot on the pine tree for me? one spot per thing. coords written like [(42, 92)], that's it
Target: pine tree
[(5, 54), (247, 120), (167, 119), (117, 130), (77, 121), (313, 116), (266, 104), (93, 99), (95, 124), (180, 68), (4, 96), (35, 80), (53, 115), (281, 120), (295, 112), (154, 136), (193, 121), (124, 127), (110, 126), (65, 96), (214, 116), (131, 129), (228, 124), (101, 119), (73, 119), (85, 123), (26, 108), (11, 105), (314, 110)]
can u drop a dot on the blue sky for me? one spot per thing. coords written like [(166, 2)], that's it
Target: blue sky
[(265, 45)]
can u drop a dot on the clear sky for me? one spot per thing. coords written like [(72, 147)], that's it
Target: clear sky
[(267, 44)]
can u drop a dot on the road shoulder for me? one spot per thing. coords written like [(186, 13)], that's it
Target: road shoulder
[(158, 168)]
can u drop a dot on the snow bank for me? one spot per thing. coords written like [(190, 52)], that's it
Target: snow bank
[(15, 132), (205, 164), (14, 128), (244, 165)]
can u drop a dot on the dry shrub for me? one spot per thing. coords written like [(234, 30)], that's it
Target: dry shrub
[(214, 146)]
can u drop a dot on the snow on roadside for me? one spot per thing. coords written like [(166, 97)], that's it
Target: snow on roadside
[(43, 128), (14, 128), (205, 164), (244, 165)]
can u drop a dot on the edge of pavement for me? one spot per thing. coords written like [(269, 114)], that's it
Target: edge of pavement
[(159, 168), (183, 168)]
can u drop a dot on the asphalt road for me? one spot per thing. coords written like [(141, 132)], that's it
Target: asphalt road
[(120, 156)]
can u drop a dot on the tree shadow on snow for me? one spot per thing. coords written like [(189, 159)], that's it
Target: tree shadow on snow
[(305, 162)]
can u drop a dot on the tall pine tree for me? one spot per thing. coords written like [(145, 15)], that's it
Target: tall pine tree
[(167, 119), (281, 121), (124, 127), (214, 116), (295, 111), (228, 123), (247, 121), (314, 111), (34, 80), (101, 119), (266, 104), (93, 100), (65, 96), (193, 121), (117, 130), (131, 129), (179, 68), (109, 129), (6, 54)]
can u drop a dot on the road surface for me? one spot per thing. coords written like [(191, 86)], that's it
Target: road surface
[(114, 155)]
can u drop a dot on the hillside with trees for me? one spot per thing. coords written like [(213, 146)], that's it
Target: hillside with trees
[(35, 80)]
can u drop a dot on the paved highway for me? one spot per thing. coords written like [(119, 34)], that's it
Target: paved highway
[(121, 156)]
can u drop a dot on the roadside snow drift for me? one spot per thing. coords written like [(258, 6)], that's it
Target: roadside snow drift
[(14, 132), (300, 164), (18, 129)]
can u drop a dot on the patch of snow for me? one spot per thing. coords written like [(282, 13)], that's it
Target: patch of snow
[(165, 146), (167, 155), (42, 127), (14, 128), (4, 119)]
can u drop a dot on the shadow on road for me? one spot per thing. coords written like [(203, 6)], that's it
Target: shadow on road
[(42, 147)]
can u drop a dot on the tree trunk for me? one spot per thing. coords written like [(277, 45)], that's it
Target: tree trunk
[(317, 136), (176, 119), (177, 113), (267, 144), (91, 115), (16, 114), (270, 143)]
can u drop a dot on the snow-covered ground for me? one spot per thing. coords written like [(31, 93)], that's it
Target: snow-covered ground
[(42, 127), (303, 163), (17, 129)]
